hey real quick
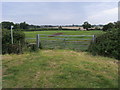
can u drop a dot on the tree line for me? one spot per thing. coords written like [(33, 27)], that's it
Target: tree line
[(111, 26), (22, 25), (26, 26), (107, 27)]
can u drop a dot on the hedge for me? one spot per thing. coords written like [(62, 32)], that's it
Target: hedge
[(107, 44), (18, 38)]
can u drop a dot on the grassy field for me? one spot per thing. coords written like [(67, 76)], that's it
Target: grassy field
[(33, 34), (59, 69), (63, 42)]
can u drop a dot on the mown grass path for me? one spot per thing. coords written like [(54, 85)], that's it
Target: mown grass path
[(59, 69)]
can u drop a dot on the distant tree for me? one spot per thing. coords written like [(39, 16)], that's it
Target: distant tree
[(24, 25), (105, 27), (60, 27), (111, 25), (117, 24), (38, 26), (108, 26), (16, 26), (31, 26), (7, 25), (86, 25)]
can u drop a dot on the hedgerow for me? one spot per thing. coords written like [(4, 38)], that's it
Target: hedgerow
[(18, 41), (107, 44)]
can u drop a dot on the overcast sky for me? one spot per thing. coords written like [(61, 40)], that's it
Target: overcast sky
[(60, 13)]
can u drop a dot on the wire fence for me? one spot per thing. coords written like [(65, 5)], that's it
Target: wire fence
[(75, 42)]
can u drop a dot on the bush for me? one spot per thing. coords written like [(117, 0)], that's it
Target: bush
[(107, 44), (18, 38), (11, 48), (32, 47)]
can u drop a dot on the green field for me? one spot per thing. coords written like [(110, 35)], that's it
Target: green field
[(63, 42), (33, 34), (59, 69)]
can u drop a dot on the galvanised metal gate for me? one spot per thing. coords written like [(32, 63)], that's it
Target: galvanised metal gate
[(76, 42)]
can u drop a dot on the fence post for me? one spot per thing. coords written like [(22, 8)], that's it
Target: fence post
[(64, 43), (38, 40), (11, 35), (93, 38)]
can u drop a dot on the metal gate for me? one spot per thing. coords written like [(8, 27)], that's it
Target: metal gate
[(76, 42)]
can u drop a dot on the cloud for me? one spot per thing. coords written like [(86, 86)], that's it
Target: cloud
[(60, 13), (105, 16), (59, 0)]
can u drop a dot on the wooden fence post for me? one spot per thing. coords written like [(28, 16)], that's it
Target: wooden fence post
[(38, 40)]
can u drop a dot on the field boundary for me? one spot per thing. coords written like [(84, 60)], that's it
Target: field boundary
[(65, 40)]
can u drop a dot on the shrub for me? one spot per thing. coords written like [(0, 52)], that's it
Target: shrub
[(107, 44), (32, 47), (18, 38), (11, 48)]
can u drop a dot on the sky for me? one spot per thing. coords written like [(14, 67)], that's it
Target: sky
[(60, 13)]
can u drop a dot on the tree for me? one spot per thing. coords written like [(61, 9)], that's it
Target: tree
[(108, 26), (60, 27), (117, 24), (107, 44), (86, 25), (7, 25), (24, 25), (16, 26)]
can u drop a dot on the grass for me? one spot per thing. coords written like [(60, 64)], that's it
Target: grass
[(33, 34), (59, 69), (57, 43)]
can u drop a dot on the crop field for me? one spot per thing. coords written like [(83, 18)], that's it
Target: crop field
[(59, 69), (58, 42)]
